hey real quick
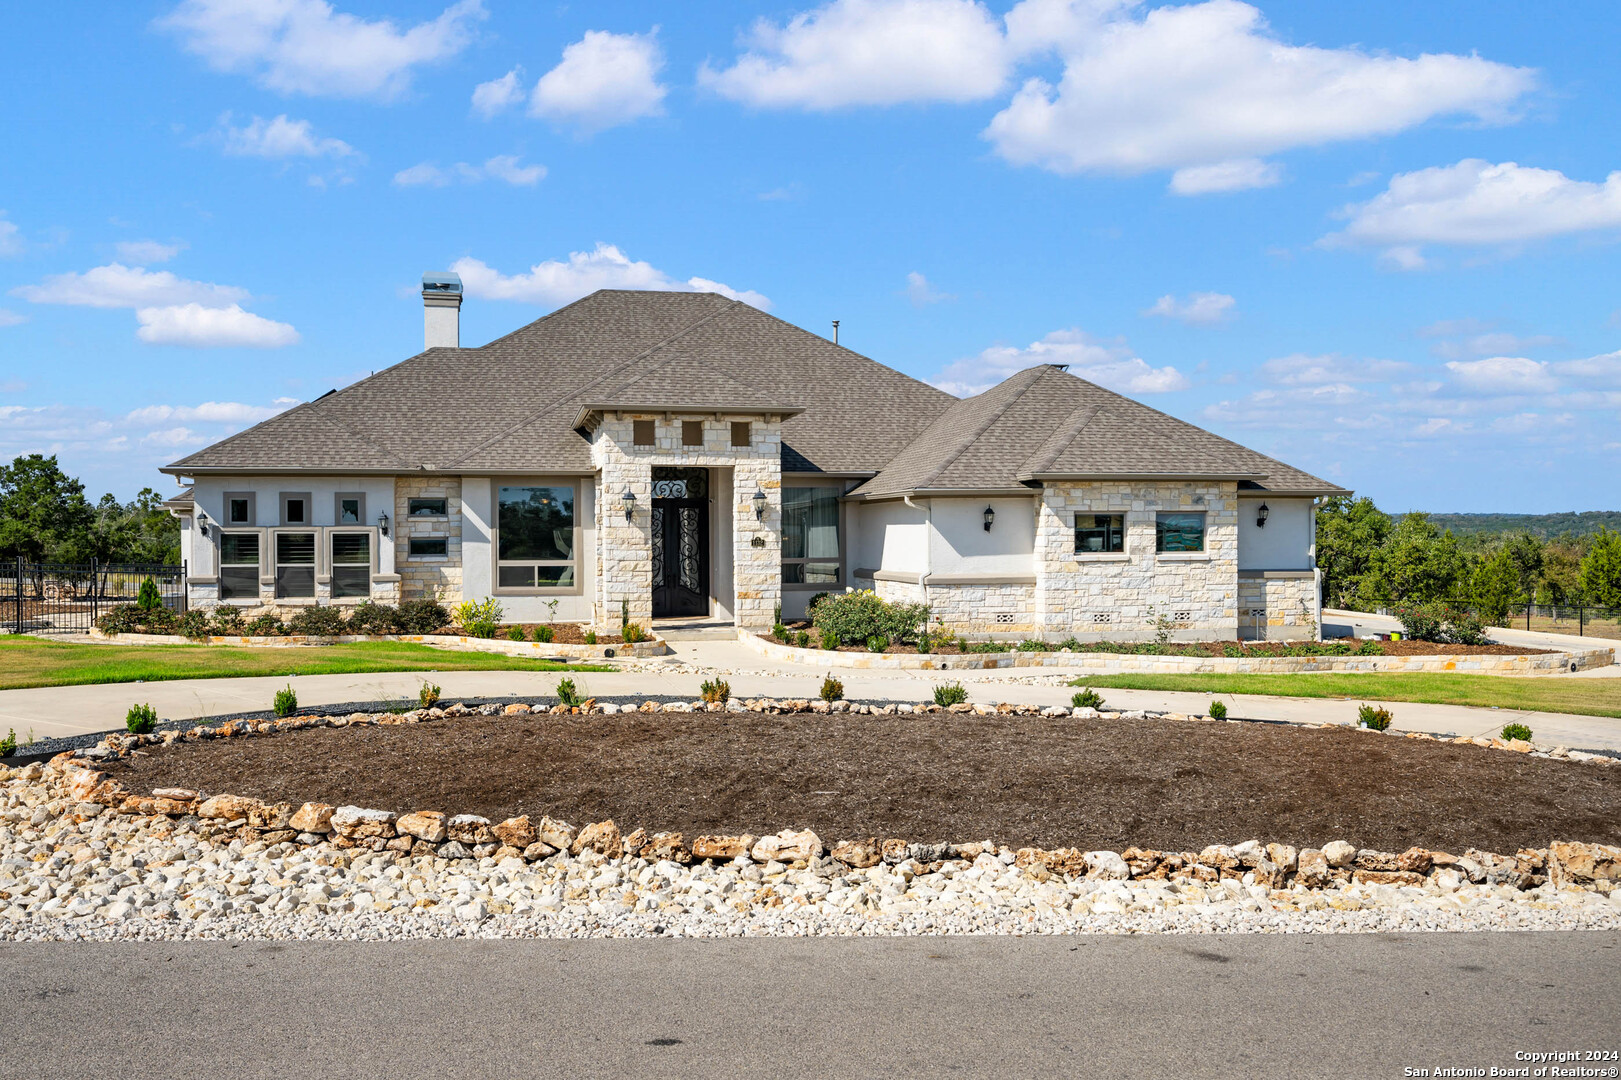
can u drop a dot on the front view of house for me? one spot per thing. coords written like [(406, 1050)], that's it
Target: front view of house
[(659, 455)]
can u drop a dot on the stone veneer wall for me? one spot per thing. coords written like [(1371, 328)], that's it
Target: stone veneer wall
[(428, 578), (1278, 608), (625, 548), (1120, 597)]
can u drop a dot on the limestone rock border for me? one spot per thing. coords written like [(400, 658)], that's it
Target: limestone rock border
[(536, 649)]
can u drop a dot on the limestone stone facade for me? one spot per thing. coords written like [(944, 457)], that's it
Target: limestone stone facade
[(987, 607), (428, 577), (1278, 606)]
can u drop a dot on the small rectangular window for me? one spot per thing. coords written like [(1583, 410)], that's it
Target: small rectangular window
[(239, 512), (295, 511), (426, 507), (1100, 533), (429, 547), (692, 433), (350, 508), (1176, 532), (642, 432), (239, 507), (239, 566), (295, 564), (741, 433)]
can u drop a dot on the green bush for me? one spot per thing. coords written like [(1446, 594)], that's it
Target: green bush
[(780, 632), (1465, 628), (954, 693), (477, 618), (8, 745), (286, 703), (193, 624), (1372, 718), (811, 604), (515, 633), (828, 639), (1516, 731), (428, 695), (422, 616), (148, 598), (370, 617), (1031, 645), (1444, 624), (318, 621), (227, 619), (631, 633), (1087, 698), (832, 689), (590, 637), (714, 690), (568, 694), (859, 615), (123, 619), (1218, 711), (266, 625), (1370, 647), (140, 720), (544, 634), (802, 639), (924, 642), (877, 643)]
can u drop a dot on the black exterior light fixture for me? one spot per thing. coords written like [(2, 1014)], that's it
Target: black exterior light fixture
[(1261, 515), (202, 523), (382, 523), (628, 501), (759, 504), (990, 518)]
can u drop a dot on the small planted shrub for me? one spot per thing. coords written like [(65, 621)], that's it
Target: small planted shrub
[(318, 622), (428, 695), (1373, 718), (877, 643), (286, 702), (715, 690), (802, 639), (1516, 731), (544, 634), (631, 633), (8, 745), (829, 639), (923, 642), (1218, 711), (954, 693), (226, 619), (1370, 647), (140, 720), (266, 625), (1086, 698), (590, 637), (810, 605), (477, 618), (193, 624), (568, 694), (370, 617), (1465, 628), (515, 633), (148, 598), (1444, 624), (832, 689), (123, 619), (780, 632), (859, 615), (421, 616)]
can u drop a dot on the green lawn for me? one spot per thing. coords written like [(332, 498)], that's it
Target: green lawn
[(26, 661), (1592, 697)]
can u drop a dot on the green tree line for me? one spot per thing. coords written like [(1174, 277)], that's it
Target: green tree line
[(1366, 556), (45, 517)]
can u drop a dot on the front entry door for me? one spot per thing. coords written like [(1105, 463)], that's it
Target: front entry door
[(680, 543)]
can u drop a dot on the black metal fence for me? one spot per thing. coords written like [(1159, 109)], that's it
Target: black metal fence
[(68, 598), (1581, 619)]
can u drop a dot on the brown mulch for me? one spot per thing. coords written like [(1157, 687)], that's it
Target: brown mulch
[(1218, 648), (562, 633), (1168, 784)]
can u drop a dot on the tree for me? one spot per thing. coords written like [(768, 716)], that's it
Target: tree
[(1601, 570), (1495, 587), (1349, 534), (1561, 579), (1417, 562), (43, 512)]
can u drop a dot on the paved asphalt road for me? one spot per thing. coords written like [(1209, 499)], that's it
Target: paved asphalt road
[(1277, 1007)]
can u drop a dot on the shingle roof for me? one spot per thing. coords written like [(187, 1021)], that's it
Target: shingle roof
[(1045, 424)]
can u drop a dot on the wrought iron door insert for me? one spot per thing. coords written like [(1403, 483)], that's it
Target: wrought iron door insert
[(680, 526)]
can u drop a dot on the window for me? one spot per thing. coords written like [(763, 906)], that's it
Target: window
[(1179, 532), (535, 538), (692, 433), (742, 433), (641, 432), (349, 508), (430, 547), (351, 565), (1100, 533), (295, 508), (239, 566), (426, 508), (239, 508), (295, 564), (810, 536)]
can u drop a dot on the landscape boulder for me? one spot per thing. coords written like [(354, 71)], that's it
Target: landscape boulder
[(227, 807), (1106, 866), (426, 825), (360, 823), (859, 854), (313, 817), (1583, 864), (667, 846), (1312, 869), (559, 834), (723, 847), (469, 829), (515, 832), (1338, 853), (787, 846), (602, 837)]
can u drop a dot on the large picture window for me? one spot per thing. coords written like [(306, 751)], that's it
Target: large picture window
[(239, 566), (535, 538), (1179, 532), (1099, 533), (295, 564), (351, 565), (810, 536)]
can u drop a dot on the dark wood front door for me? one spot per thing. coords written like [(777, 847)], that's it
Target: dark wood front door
[(680, 557)]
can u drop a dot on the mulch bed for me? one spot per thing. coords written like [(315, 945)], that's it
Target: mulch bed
[(1166, 784), (562, 633), (1212, 648)]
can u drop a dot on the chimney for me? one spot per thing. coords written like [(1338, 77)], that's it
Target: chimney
[(441, 311)]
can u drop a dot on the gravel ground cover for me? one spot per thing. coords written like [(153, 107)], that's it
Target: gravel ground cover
[(1023, 780)]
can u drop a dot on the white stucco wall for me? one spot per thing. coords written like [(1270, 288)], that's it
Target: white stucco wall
[(478, 558), (1285, 543), (959, 543), (889, 536)]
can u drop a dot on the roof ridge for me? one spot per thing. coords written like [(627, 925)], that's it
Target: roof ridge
[(1066, 433), (548, 315), (961, 444), (379, 447)]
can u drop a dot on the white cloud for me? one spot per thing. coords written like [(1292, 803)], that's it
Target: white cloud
[(1302, 407), (921, 293), (142, 252), (1240, 174), (1477, 203), (1107, 363), (498, 95), (211, 327), (869, 52), (604, 79), (10, 242), (1603, 370), (1491, 343), (11, 318), (172, 437), (304, 46), (503, 167), (1503, 375), (1404, 257), (1301, 369), (280, 138), (211, 412), (118, 286), (554, 282), (1199, 309), (1209, 83)]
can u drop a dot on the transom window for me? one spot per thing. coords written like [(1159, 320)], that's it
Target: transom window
[(741, 433), (430, 547), (535, 537), (692, 433), (295, 564), (239, 566), (641, 432), (351, 565), (810, 536), (426, 507), (1176, 532), (1100, 533)]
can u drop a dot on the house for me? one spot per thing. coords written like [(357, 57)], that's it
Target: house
[(661, 454)]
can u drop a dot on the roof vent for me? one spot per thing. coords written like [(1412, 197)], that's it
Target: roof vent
[(441, 310)]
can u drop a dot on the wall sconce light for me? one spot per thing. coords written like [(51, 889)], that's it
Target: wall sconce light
[(1261, 515), (628, 501), (202, 523), (759, 504), (990, 518), (382, 523)]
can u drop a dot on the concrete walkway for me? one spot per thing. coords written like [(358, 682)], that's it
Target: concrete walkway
[(70, 710)]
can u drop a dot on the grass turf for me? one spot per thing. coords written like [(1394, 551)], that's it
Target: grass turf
[(26, 662), (1589, 697)]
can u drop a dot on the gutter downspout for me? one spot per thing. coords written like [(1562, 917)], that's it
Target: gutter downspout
[(928, 544)]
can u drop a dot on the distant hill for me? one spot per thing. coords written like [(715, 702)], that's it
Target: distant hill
[(1546, 526)]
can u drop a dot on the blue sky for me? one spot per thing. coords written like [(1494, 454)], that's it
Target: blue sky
[(1376, 240)]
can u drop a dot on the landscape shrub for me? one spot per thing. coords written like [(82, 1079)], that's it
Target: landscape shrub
[(1375, 719), (590, 637), (924, 642), (140, 720), (266, 625), (370, 617), (477, 618), (780, 632), (318, 621), (8, 745), (568, 694), (515, 633), (428, 695), (1087, 699), (714, 690), (421, 616), (544, 634), (123, 619), (877, 643), (286, 702), (148, 597), (1218, 711), (828, 639), (1370, 647), (1516, 731), (953, 693), (1030, 645), (858, 615), (227, 619), (1464, 627), (811, 604), (193, 624), (631, 633), (832, 689), (159, 620), (1444, 624), (802, 639)]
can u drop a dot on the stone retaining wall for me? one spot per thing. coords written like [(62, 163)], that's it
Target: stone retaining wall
[(534, 649)]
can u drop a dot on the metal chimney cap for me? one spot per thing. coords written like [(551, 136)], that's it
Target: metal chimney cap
[(442, 282)]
